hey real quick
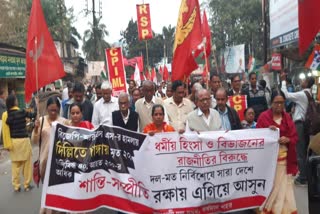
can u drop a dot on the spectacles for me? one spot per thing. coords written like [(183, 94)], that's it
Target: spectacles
[(205, 100)]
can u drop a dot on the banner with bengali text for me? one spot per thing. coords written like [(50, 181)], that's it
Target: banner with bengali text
[(239, 103), (144, 21), (167, 173), (116, 71)]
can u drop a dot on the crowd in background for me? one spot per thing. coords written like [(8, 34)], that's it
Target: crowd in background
[(174, 106)]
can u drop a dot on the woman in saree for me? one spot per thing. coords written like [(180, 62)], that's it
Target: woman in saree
[(158, 124), (281, 199)]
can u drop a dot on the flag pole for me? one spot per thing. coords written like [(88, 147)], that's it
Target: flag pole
[(147, 55), (37, 78), (206, 62), (215, 60)]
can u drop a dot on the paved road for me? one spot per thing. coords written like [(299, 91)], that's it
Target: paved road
[(29, 202)]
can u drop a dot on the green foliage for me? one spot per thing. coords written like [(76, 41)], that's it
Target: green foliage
[(94, 47), (236, 22), (14, 20), (134, 47)]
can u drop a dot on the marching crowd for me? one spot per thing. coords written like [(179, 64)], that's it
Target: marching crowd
[(166, 108)]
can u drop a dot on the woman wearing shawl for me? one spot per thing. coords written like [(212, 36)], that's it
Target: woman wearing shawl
[(281, 199)]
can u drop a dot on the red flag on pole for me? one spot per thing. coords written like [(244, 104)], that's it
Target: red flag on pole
[(154, 76), (140, 62), (187, 38), (160, 70), (165, 75), (43, 64), (309, 24), (147, 75)]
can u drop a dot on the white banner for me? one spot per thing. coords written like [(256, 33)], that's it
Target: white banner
[(234, 59), (95, 68), (167, 173), (283, 22)]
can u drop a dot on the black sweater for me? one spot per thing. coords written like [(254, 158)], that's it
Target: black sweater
[(17, 122)]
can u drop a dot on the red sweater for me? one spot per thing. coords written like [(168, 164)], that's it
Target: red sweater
[(287, 129)]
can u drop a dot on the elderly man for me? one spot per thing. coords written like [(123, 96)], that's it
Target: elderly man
[(178, 107), (78, 96), (144, 105), (103, 108), (229, 118), (124, 117), (203, 118)]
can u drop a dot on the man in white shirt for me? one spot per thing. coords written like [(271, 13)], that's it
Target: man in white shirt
[(144, 105), (203, 118), (178, 107), (301, 101), (103, 108)]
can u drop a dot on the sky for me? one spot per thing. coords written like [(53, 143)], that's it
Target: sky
[(116, 14)]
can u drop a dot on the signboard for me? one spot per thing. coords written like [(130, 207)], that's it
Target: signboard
[(276, 62), (239, 103), (117, 74), (144, 21), (12, 66), (209, 172), (283, 22), (95, 68), (234, 59)]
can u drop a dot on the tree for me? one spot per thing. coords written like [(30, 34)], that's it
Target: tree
[(134, 47), (168, 36), (94, 47), (236, 22), (14, 18)]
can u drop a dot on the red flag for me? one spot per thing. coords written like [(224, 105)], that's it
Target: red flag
[(139, 60), (187, 38), (154, 76), (147, 75), (206, 33), (160, 70), (165, 75), (309, 24), (44, 55)]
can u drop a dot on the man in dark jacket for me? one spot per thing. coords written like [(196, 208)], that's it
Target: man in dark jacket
[(256, 97), (229, 117), (125, 117), (78, 96)]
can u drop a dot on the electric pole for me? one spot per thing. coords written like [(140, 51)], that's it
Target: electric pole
[(95, 27)]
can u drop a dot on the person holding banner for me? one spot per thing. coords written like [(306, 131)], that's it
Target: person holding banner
[(281, 199), (158, 125), (53, 108), (76, 117), (203, 118)]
